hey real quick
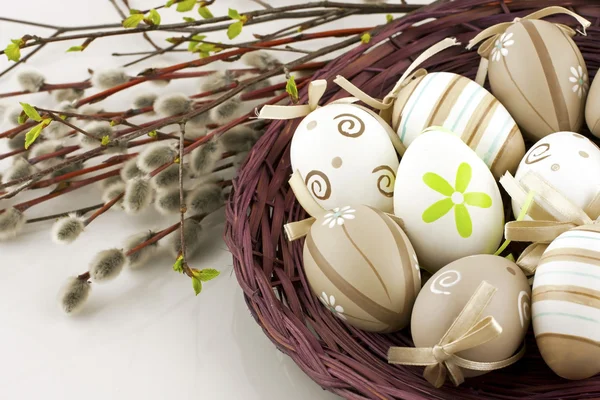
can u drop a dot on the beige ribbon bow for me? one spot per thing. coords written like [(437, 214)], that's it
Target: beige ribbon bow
[(316, 90), (552, 214), (468, 331), (494, 33)]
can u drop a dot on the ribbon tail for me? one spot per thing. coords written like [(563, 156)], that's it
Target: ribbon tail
[(536, 231), (359, 94), (304, 197), (316, 90), (487, 33), (482, 71), (456, 375), (530, 258), (436, 375), (284, 112), (297, 230), (560, 10)]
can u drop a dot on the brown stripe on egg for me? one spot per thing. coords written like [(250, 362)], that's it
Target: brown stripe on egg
[(580, 255), (402, 100), (571, 294), (411, 284), (509, 138), (556, 93), (446, 101), (571, 357), (483, 123), (581, 116), (376, 310)]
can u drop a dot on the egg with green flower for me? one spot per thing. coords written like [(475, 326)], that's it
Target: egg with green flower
[(448, 200)]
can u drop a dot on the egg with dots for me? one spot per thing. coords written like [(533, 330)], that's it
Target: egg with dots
[(537, 71), (592, 107), (448, 200), (570, 163), (345, 156), (362, 267), (447, 292), (461, 105), (566, 303)]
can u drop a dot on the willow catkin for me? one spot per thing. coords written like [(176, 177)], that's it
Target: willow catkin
[(69, 95), (205, 157), (169, 177), (138, 195), (172, 104), (168, 201), (155, 156), (261, 60), (67, 229), (17, 142), (96, 130), (107, 265), (140, 258), (11, 223), (20, 169), (31, 81), (217, 81), (239, 139), (192, 234), (44, 148), (112, 191), (226, 111), (108, 78), (130, 170), (144, 100), (206, 199), (73, 295)]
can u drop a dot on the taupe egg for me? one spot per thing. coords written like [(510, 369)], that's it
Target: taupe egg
[(362, 267), (447, 292), (592, 107)]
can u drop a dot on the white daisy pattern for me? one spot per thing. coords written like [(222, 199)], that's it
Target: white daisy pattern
[(500, 47), (580, 80), (338, 216), (329, 302)]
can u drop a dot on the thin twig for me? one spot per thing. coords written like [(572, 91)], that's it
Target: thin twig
[(28, 56), (80, 211), (182, 206), (104, 209)]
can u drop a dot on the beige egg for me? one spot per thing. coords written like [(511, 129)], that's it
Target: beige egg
[(592, 107), (539, 74), (362, 267), (447, 292), (461, 105), (566, 304)]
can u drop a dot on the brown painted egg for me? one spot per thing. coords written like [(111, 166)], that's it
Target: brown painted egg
[(447, 292), (592, 108), (538, 73), (362, 267), (462, 106)]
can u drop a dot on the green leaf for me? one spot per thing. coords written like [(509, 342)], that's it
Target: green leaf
[(365, 38), (234, 14), (192, 45), (204, 54), (437, 210), (152, 134), (389, 18), (208, 274), (198, 38), (178, 266), (197, 285), (205, 13), (170, 3), (75, 48), (133, 21), (35, 132), (463, 221), (189, 19), (22, 118), (463, 177), (154, 17), (478, 200), (186, 5), (13, 51), (234, 29), (133, 11), (31, 112), (438, 184), (292, 89), (105, 140)]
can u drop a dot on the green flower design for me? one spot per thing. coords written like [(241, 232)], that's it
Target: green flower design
[(455, 198)]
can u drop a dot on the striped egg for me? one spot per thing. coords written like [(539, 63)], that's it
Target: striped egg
[(566, 303), (538, 73), (362, 267), (592, 107), (461, 105)]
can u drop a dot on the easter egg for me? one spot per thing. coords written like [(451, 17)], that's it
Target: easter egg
[(362, 267), (538, 73), (569, 162), (448, 200), (447, 292), (566, 304), (461, 105), (345, 156), (592, 108)]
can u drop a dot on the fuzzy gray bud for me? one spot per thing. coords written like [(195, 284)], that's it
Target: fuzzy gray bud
[(56, 130), (113, 190), (109, 78), (20, 169), (217, 81), (200, 120), (105, 183), (18, 141), (12, 115), (169, 177), (89, 109), (68, 95), (138, 195), (206, 199), (261, 60), (192, 234), (205, 157), (172, 104), (226, 111), (67, 229), (144, 100), (258, 86), (68, 169), (96, 130), (155, 156), (167, 201), (11, 223), (239, 139), (130, 170), (107, 265), (31, 81), (45, 148), (74, 294), (140, 258)]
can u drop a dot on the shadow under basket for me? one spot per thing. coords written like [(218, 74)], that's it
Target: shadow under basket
[(341, 359)]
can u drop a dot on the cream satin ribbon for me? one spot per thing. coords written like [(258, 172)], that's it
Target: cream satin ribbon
[(493, 33), (553, 215), (316, 90), (468, 331)]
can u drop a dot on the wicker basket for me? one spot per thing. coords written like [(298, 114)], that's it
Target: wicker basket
[(342, 359)]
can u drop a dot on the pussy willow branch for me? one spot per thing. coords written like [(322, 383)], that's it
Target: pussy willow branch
[(182, 206), (104, 209), (124, 16), (79, 211), (28, 56)]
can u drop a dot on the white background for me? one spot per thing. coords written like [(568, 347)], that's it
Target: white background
[(144, 335)]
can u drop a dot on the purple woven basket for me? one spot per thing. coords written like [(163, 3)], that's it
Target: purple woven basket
[(341, 359)]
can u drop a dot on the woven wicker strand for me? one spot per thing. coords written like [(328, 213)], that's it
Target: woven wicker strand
[(344, 360)]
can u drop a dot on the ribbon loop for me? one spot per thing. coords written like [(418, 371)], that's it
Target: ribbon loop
[(467, 331), (316, 90)]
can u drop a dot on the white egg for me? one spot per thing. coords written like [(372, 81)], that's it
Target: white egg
[(448, 200), (569, 162), (345, 156)]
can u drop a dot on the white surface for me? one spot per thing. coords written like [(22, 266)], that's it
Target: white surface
[(145, 335)]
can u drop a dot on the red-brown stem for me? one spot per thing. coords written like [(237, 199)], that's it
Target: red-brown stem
[(81, 211), (104, 209), (59, 153), (12, 153), (17, 129), (154, 239)]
